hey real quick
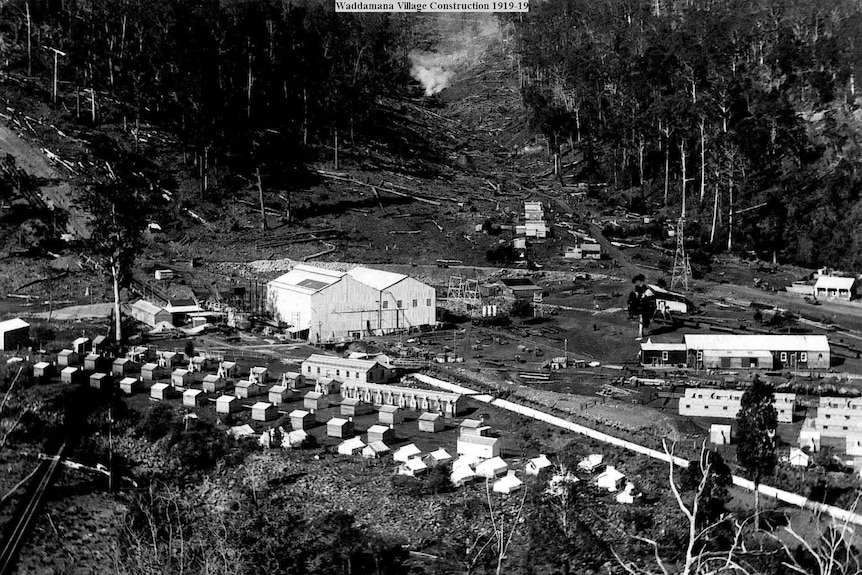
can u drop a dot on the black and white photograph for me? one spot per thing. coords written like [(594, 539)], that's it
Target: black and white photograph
[(430, 287)]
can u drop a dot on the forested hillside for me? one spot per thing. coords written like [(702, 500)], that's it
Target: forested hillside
[(752, 103), (251, 84)]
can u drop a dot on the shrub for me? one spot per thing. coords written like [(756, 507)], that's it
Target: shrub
[(157, 422)]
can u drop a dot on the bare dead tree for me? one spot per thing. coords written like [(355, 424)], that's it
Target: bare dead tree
[(832, 552), (698, 560)]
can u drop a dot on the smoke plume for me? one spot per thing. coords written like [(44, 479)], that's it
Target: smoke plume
[(464, 42)]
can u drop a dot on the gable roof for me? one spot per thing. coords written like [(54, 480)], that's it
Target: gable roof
[(649, 345), (307, 279), (15, 323), (377, 279), (834, 282), (732, 342), (340, 362)]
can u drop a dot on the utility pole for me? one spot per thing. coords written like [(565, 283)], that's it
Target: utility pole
[(29, 36), (57, 53), (681, 265)]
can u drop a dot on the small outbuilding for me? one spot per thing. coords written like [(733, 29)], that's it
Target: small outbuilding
[(213, 383), (228, 370), (292, 380), (71, 375), (473, 427), (93, 362), (81, 345), (227, 404), (390, 415), (537, 464), (611, 479), (339, 427), (264, 411), (42, 370), (100, 344), (438, 457), (719, 434), (199, 364), (193, 398), (508, 484), (101, 381), (162, 391), (315, 400), (406, 452), (259, 375), (478, 445), (129, 385), (461, 475), (431, 422), (353, 407), (627, 495), (122, 366), (245, 389), (352, 446), (14, 334), (382, 433), (414, 467), (182, 378), (799, 458), (169, 359), (152, 372), (591, 463), (327, 386), (375, 450), (278, 394), (491, 468), (301, 419), (68, 358)]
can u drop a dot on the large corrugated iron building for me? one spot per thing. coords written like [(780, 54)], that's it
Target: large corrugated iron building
[(326, 305)]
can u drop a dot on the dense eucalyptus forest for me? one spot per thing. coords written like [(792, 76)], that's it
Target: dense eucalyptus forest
[(746, 110), (252, 84)]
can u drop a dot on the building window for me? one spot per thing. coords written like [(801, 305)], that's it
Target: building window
[(845, 428), (338, 372), (783, 356), (706, 407), (385, 305), (828, 416), (688, 406), (398, 303), (724, 408), (700, 356), (428, 302), (664, 356), (803, 356), (318, 371), (309, 369), (415, 303)]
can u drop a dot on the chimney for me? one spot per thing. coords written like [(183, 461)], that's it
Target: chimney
[(391, 426), (350, 419)]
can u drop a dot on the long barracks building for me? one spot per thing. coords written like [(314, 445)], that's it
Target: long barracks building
[(731, 351)]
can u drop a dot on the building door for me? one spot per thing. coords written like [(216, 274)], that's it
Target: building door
[(792, 360)]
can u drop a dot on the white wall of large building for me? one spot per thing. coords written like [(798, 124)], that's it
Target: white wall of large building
[(334, 306)]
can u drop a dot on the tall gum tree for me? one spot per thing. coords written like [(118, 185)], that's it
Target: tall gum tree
[(117, 223)]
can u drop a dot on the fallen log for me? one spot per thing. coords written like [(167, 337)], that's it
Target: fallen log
[(376, 189)]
